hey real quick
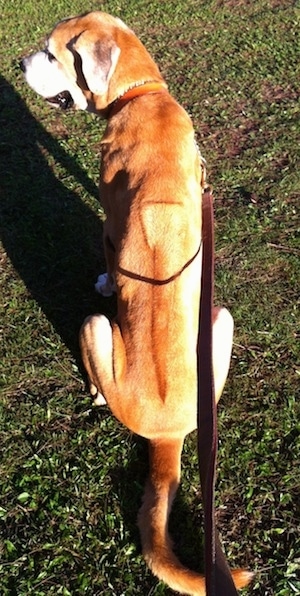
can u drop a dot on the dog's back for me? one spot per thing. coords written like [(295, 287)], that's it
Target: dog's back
[(151, 191)]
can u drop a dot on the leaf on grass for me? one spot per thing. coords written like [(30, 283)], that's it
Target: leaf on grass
[(23, 497)]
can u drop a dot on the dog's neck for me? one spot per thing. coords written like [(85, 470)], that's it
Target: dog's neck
[(133, 92)]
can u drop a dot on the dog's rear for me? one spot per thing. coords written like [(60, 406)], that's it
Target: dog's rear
[(143, 364)]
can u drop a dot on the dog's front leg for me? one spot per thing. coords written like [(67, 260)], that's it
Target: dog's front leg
[(87, 342), (105, 284)]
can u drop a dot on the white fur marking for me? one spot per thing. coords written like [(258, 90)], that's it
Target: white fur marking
[(103, 285), (99, 400), (48, 79)]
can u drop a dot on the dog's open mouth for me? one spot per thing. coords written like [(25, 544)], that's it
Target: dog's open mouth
[(63, 100)]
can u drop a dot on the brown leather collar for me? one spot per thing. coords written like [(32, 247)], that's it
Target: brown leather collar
[(143, 89)]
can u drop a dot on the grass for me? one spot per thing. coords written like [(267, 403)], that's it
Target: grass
[(71, 477)]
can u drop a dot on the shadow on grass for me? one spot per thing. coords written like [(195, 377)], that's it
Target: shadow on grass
[(51, 237)]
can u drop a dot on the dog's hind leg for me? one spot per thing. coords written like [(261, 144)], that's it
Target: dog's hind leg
[(104, 358), (222, 345)]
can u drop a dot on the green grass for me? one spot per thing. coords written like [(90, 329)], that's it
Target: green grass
[(71, 478)]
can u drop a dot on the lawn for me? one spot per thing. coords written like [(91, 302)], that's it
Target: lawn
[(71, 477)]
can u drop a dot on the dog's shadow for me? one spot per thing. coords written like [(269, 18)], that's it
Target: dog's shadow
[(51, 237)]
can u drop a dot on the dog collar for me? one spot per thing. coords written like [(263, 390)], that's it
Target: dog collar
[(133, 92)]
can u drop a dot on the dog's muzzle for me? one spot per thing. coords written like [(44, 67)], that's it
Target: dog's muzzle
[(63, 100)]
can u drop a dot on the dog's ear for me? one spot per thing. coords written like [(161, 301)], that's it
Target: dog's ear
[(98, 61)]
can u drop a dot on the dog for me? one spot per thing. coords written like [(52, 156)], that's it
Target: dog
[(143, 364)]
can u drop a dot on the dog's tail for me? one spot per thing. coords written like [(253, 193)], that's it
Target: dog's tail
[(165, 459)]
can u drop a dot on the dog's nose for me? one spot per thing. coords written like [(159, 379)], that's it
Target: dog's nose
[(22, 65)]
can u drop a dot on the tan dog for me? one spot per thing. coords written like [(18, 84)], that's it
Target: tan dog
[(143, 364)]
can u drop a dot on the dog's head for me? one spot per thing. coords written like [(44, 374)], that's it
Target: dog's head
[(88, 62)]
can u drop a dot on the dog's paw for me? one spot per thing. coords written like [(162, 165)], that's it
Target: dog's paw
[(99, 400), (104, 286)]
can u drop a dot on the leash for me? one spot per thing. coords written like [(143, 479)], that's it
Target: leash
[(218, 578)]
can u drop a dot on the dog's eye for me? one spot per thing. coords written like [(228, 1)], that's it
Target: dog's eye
[(50, 56)]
